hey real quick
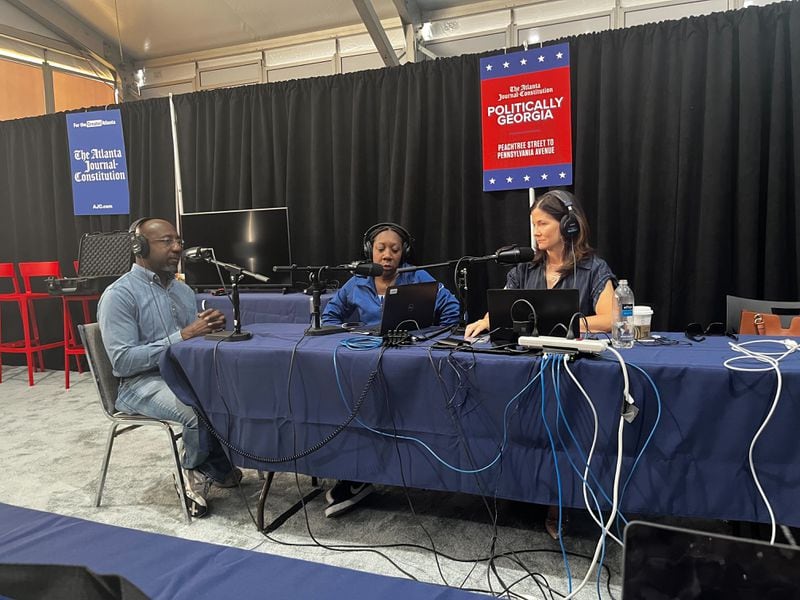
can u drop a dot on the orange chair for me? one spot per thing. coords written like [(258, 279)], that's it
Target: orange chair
[(30, 344), (72, 345)]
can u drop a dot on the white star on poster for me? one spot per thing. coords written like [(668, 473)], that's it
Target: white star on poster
[(491, 181), (505, 65), (544, 176), (562, 175), (527, 178), (488, 67), (541, 58), (524, 61), (509, 179), (559, 55)]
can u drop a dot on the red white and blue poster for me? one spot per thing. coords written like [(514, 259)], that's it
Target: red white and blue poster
[(98, 168), (526, 119)]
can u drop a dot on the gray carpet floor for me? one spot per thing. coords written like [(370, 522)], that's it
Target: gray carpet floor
[(52, 443)]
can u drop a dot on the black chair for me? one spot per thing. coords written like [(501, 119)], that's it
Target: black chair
[(107, 386), (736, 304)]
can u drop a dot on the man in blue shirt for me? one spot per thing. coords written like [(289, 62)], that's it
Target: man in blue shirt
[(140, 315), (361, 299)]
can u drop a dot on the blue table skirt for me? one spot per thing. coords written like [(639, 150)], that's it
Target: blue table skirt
[(695, 465), (264, 307)]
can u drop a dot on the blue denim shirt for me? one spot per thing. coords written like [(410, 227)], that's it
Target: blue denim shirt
[(139, 318), (589, 278), (358, 300)]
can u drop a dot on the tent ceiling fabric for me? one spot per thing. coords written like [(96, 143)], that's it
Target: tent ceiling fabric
[(154, 28)]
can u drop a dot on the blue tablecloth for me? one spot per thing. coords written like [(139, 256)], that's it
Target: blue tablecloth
[(264, 307), (695, 465)]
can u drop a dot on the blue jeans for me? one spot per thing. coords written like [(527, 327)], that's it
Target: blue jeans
[(148, 394)]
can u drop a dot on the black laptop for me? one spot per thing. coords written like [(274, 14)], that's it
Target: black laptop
[(660, 561), (554, 311), (408, 307)]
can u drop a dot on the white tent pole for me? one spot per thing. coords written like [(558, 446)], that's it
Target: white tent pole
[(177, 160)]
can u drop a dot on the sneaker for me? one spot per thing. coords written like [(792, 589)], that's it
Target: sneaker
[(231, 480), (196, 489), (345, 495)]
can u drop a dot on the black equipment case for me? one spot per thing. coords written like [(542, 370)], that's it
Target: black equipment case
[(102, 258)]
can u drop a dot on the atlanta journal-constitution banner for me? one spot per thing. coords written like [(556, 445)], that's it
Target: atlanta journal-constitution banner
[(98, 168), (526, 119)]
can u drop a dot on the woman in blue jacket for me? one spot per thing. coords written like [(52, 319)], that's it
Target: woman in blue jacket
[(361, 298)]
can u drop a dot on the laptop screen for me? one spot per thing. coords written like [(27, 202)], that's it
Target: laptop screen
[(554, 311), (660, 561), (409, 307)]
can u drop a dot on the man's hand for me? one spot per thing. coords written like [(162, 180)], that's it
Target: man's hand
[(208, 321)]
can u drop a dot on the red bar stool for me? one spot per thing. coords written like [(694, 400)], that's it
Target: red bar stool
[(30, 344), (72, 344)]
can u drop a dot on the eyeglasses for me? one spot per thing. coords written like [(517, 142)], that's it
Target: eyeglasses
[(168, 242), (696, 333)]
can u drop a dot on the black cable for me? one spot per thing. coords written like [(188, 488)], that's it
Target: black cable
[(270, 460), (494, 515), (375, 547), (405, 485)]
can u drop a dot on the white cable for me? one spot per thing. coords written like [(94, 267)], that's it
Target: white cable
[(615, 489), (596, 518), (772, 359)]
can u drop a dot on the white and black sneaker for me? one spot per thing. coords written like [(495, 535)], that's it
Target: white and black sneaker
[(345, 495), (196, 486)]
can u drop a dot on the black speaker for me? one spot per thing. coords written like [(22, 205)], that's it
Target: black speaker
[(371, 233), (139, 244)]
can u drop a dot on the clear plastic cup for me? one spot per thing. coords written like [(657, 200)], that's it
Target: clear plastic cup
[(642, 316)]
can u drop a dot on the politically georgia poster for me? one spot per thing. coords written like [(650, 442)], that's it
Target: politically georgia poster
[(526, 119)]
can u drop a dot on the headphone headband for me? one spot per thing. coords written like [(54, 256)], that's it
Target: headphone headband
[(371, 233)]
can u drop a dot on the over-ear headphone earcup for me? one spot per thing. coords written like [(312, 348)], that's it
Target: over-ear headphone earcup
[(569, 225), (139, 244)]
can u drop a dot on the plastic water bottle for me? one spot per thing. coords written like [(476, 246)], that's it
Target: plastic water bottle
[(622, 330)]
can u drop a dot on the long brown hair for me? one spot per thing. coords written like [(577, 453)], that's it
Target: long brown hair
[(557, 204)]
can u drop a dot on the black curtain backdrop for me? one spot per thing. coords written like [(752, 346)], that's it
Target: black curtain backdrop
[(686, 139), (36, 194)]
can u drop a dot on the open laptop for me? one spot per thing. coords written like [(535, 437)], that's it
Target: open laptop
[(554, 310), (408, 307), (660, 561)]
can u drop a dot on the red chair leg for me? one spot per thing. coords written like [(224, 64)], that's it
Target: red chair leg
[(23, 309), (32, 320), (67, 336), (86, 319)]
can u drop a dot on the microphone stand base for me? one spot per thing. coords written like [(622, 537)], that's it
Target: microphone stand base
[(229, 336), (324, 330)]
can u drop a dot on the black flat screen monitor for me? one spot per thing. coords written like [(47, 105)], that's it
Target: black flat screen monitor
[(256, 239), (660, 561)]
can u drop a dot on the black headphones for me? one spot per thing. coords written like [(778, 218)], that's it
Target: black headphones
[(570, 225), (371, 233), (139, 244)]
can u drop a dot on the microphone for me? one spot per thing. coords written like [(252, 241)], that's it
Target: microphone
[(197, 254), (512, 256), (365, 268)]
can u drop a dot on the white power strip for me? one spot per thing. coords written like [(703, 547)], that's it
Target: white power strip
[(547, 342)]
